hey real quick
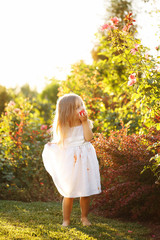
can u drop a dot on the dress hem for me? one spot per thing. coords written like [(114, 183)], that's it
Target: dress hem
[(85, 195)]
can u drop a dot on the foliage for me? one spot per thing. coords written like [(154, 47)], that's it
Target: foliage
[(154, 164), (144, 77), (22, 138), (50, 91), (38, 220), (44, 110), (126, 192), (122, 86), (4, 98), (47, 101), (119, 8), (131, 57), (27, 92), (85, 80)]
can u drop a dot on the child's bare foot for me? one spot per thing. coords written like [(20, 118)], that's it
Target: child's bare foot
[(65, 223), (85, 222)]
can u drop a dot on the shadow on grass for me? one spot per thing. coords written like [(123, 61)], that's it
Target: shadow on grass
[(41, 220)]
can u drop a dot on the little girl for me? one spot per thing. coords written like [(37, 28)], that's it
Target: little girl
[(70, 158)]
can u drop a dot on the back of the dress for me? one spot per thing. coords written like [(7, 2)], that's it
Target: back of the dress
[(75, 136), (74, 167)]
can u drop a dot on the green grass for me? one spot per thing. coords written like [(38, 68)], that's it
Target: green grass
[(39, 220)]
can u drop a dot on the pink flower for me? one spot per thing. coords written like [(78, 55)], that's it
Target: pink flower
[(11, 103), (110, 24), (44, 127), (146, 55), (17, 110), (157, 48), (49, 130), (126, 28), (130, 231), (105, 26), (132, 79), (157, 68), (115, 20), (132, 76), (134, 50)]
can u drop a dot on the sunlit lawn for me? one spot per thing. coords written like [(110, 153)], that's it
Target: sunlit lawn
[(41, 220)]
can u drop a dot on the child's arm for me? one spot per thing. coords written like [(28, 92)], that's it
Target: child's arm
[(88, 134)]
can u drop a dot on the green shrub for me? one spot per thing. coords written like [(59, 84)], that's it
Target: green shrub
[(22, 138)]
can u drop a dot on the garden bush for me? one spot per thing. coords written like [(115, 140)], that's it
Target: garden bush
[(123, 85), (128, 190), (22, 138)]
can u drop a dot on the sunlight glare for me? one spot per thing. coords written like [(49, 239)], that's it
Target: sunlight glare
[(41, 37)]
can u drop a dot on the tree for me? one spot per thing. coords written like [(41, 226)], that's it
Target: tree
[(50, 91), (118, 9), (26, 91), (4, 98), (47, 101)]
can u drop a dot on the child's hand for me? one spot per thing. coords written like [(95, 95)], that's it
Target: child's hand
[(83, 115), (82, 112)]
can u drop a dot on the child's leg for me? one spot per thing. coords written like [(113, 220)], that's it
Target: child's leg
[(67, 208), (84, 203)]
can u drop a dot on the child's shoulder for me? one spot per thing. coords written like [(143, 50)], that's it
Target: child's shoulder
[(76, 126)]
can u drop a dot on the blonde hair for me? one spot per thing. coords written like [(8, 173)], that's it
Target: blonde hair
[(65, 116)]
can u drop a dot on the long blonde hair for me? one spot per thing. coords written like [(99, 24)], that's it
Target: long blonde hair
[(65, 116)]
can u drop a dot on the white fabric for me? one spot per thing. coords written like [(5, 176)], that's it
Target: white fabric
[(74, 167)]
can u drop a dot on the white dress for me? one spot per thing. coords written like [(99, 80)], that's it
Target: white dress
[(74, 167)]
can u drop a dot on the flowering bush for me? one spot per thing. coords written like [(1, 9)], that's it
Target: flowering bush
[(121, 48), (122, 84), (22, 175), (111, 24), (126, 192)]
